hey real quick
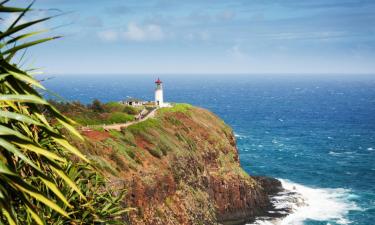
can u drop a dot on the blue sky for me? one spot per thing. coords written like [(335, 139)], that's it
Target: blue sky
[(207, 36)]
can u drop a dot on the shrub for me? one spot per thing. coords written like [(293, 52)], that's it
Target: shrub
[(144, 125), (115, 157), (97, 106), (114, 107), (128, 137), (155, 152), (131, 110), (164, 147), (130, 153), (119, 117)]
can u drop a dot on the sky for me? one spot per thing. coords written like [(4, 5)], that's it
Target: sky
[(205, 36)]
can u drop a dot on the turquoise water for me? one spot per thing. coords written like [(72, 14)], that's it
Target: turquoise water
[(316, 133)]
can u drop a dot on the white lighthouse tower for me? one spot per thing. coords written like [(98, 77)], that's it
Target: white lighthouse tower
[(159, 93)]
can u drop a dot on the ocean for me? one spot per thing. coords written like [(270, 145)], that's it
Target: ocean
[(316, 133)]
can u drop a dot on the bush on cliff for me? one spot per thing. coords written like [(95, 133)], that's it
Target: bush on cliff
[(119, 117)]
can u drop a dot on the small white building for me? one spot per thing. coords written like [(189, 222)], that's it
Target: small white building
[(133, 102)]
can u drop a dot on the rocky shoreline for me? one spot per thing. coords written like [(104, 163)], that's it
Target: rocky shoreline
[(270, 187)]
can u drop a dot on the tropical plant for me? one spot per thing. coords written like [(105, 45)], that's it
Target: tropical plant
[(39, 183)]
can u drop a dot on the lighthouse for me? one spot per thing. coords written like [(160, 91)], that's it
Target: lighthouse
[(159, 93)]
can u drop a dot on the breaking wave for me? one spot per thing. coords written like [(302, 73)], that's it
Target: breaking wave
[(300, 203)]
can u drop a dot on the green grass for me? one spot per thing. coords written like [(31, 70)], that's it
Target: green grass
[(114, 107), (119, 117), (144, 125), (179, 107), (101, 163), (128, 137), (156, 152), (132, 110), (94, 118)]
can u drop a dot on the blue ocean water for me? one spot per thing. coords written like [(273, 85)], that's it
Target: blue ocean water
[(316, 132)]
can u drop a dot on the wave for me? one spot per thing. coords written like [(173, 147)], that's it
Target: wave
[(240, 136), (302, 203), (333, 153)]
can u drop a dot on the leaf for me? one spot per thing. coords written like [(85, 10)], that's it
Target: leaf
[(5, 170), (70, 128), (3, 76), (41, 151), (10, 9), (44, 120), (57, 192), (19, 117), (26, 78), (21, 15), (7, 131), (30, 209), (3, 2), (11, 148), (41, 198), (23, 36), (70, 148), (11, 220), (35, 216), (23, 98), (71, 183), (21, 26), (57, 114), (28, 44)]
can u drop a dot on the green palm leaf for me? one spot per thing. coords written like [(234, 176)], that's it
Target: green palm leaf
[(39, 183)]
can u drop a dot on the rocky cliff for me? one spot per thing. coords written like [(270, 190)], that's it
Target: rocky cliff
[(180, 167)]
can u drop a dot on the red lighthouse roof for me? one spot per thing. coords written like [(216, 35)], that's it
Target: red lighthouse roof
[(158, 81)]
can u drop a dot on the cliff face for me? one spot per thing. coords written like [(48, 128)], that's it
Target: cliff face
[(180, 167)]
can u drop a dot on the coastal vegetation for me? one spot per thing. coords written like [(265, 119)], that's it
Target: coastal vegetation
[(43, 178), (97, 113)]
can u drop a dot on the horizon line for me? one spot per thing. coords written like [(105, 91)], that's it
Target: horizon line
[(211, 74)]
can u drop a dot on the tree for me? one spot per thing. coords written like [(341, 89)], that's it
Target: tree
[(39, 183), (97, 106)]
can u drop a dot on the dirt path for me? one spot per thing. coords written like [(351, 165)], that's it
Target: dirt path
[(118, 126)]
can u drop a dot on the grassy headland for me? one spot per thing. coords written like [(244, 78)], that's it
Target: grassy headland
[(175, 167)]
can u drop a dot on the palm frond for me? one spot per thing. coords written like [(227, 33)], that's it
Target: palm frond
[(39, 183)]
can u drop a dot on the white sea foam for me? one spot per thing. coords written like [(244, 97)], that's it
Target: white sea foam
[(239, 136), (334, 153), (303, 203)]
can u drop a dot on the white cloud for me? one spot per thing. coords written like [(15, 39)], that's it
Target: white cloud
[(190, 36), (200, 36), (226, 15), (204, 36), (237, 53), (134, 32), (108, 35), (324, 35), (150, 32)]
